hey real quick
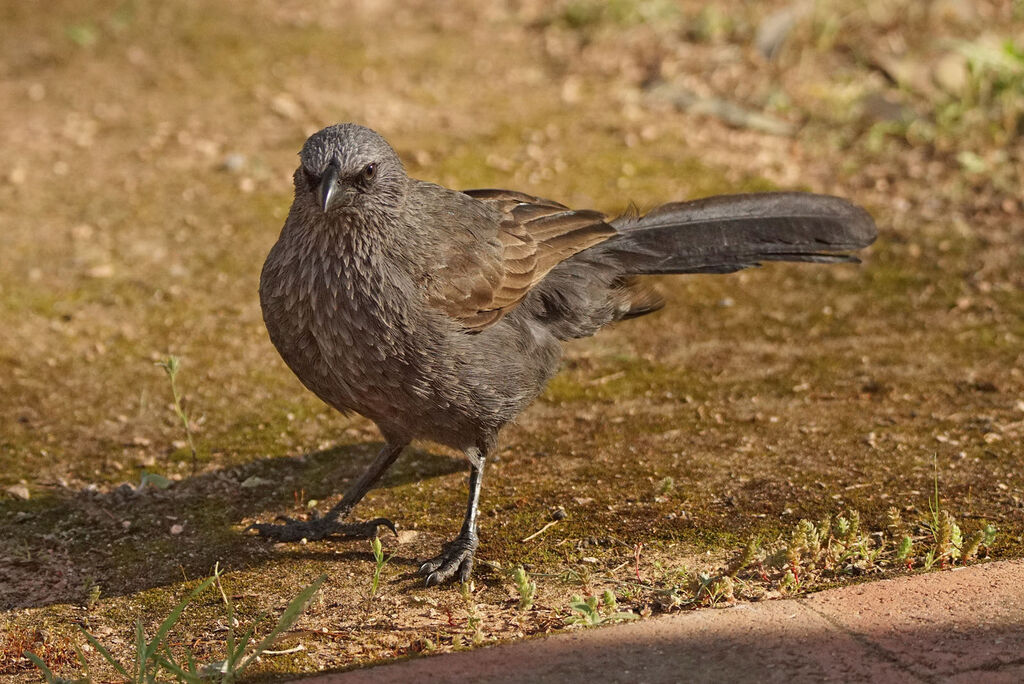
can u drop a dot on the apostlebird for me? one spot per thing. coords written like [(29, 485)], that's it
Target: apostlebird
[(439, 314)]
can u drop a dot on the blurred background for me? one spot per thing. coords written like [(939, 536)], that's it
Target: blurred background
[(147, 152)]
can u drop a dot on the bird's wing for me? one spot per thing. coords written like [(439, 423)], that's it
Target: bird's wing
[(480, 283)]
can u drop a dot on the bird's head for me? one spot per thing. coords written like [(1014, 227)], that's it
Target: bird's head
[(349, 168)]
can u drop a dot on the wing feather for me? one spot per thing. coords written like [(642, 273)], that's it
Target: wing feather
[(480, 283)]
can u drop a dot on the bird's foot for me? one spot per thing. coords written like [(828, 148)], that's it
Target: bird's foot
[(457, 558), (320, 528)]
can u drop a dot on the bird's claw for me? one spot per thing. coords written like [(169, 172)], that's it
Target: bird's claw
[(457, 558), (378, 522), (319, 528)]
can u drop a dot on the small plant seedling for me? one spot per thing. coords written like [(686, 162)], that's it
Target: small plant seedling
[(929, 559), (378, 557), (903, 552), (527, 589), (153, 480), (92, 594), (171, 365), (594, 611), (745, 558), (715, 588), (474, 620), (611, 604)]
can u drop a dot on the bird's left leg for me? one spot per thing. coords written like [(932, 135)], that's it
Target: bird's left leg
[(458, 555), (320, 527)]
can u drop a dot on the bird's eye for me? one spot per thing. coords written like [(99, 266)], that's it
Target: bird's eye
[(370, 172), (310, 177)]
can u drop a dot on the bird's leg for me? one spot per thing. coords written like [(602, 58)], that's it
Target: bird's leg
[(319, 527), (458, 555)]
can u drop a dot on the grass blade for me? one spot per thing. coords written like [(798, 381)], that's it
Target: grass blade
[(38, 662), (288, 618), (83, 663), (101, 649), (236, 655), (167, 663), (165, 626), (141, 655)]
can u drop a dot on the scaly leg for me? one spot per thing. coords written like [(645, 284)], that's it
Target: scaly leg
[(458, 556), (327, 525)]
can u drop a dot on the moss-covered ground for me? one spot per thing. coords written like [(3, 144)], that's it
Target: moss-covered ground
[(147, 155)]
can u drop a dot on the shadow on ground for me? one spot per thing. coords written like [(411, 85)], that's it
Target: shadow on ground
[(130, 539), (765, 652)]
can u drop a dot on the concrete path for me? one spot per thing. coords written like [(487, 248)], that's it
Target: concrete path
[(957, 626)]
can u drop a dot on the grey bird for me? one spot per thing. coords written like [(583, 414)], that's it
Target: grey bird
[(439, 314)]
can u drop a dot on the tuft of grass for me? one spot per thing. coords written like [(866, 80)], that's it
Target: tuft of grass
[(171, 365), (239, 656), (666, 485), (149, 658), (156, 662)]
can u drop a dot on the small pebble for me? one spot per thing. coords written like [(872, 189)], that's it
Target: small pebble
[(18, 491), (233, 163)]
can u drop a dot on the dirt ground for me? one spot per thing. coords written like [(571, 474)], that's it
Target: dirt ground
[(147, 155)]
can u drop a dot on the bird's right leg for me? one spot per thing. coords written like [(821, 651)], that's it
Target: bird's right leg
[(458, 556), (329, 524)]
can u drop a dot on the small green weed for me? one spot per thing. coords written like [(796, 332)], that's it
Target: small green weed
[(594, 611), (92, 594), (814, 554), (153, 480), (474, 620), (171, 365)]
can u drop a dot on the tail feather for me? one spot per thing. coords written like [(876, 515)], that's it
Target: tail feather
[(731, 232)]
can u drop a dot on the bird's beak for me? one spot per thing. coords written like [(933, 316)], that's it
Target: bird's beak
[(329, 193)]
